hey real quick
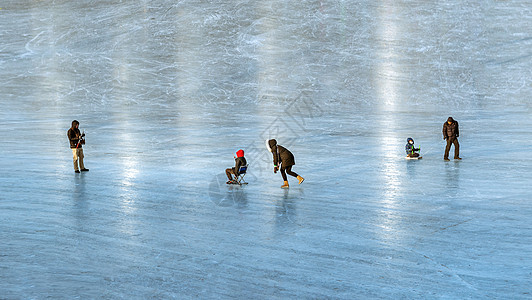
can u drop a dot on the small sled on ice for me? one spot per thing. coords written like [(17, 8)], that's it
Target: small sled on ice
[(413, 157)]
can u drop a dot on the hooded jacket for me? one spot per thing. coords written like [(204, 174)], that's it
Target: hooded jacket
[(240, 161), (281, 155), (74, 135), (450, 130), (410, 148)]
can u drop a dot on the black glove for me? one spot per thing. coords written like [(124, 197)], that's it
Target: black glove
[(275, 169)]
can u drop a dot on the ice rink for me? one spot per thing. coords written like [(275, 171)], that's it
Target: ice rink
[(168, 91)]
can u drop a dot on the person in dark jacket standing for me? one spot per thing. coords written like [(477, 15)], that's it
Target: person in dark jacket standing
[(76, 143), (283, 160), (450, 134), (240, 161)]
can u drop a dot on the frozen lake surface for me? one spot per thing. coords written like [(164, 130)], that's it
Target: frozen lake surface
[(168, 92)]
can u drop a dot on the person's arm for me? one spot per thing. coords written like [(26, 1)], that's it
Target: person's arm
[(238, 164), (275, 160), (457, 131), (444, 130)]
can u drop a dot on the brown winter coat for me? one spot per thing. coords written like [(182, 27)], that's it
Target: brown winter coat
[(450, 130), (281, 155), (74, 136), (239, 162)]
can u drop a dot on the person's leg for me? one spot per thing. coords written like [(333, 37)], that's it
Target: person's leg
[(228, 172), (447, 148), (81, 156), (290, 172), (283, 173), (75, 159), (456, 148)]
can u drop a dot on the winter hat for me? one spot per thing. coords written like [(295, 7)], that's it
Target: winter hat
[(450, 119), (240, 153), (410, 139)]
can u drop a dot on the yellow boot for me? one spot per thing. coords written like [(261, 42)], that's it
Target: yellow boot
[(285, 185), (301, 179)]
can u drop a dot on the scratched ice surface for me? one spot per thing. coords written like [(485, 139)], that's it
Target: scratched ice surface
[(167, 91)]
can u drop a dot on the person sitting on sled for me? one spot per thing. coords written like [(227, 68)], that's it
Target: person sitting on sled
[(283, 160), (240, 161), (411, 150)]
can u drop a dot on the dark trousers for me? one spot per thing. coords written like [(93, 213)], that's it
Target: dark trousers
[(287, 169), (450, 141)]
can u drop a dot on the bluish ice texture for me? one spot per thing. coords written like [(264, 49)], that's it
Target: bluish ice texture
[(168, 91)]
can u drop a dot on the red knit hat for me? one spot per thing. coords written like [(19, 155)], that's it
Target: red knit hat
[(240, 153)]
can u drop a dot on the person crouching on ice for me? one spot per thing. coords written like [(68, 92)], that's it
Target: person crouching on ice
[(411, 150), (240, 161), (283, 160)]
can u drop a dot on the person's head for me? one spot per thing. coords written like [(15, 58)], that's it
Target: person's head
[(240, 153), (271, 144), (450, 120), (410, 141), (75, 124)]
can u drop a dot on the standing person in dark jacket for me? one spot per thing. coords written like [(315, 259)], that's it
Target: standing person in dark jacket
[(76, 141), (283, 159), (450, 134), (240, 161)]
